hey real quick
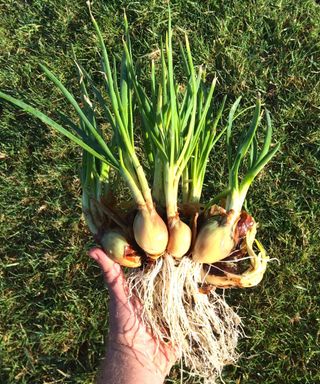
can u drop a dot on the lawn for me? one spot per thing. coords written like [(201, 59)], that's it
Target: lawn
[(53, 303)]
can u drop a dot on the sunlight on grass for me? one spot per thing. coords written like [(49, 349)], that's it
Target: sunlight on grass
[(53, 304)]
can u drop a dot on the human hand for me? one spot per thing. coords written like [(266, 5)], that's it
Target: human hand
[(130, 342)]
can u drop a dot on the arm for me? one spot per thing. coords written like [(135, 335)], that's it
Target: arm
[(120, 366), (132, 353)]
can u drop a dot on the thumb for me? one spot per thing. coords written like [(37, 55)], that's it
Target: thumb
[(113, 274)]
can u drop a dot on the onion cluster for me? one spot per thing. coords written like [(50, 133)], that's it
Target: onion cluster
[(179, 125)]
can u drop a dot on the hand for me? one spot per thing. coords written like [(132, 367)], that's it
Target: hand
[(129, 338)]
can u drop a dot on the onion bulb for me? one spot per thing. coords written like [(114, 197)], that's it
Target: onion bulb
[(119, 250), (150, 232), (180, 236), (216, 239), (252, 276)]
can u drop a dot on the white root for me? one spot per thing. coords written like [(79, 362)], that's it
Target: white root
[(203, 328)]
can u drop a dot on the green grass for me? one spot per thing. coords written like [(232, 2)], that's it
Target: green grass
[(53, 304)]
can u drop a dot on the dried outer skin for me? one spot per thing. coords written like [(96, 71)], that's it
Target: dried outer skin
[(244, 223), (93, 216), (252, 276), (119, 250)]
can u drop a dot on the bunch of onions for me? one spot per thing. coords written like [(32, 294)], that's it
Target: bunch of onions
[(178, 248)]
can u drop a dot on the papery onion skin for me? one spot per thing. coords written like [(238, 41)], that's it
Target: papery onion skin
[(252, 276), (119, 250), (180, 236), (150, 232)]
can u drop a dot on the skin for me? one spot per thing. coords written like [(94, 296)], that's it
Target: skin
[(132, 355)]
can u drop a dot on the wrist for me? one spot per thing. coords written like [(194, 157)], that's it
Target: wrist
[(125, 365)]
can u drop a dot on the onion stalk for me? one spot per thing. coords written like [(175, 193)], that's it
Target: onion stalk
[(107, 228), (217, 237), (150, 231), (174, 119), (194, 172)]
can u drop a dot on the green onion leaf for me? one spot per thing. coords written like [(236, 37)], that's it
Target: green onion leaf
[(45, 119)]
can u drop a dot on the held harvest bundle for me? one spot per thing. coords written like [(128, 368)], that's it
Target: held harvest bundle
[(178, 246)]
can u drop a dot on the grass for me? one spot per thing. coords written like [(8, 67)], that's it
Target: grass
[(53, 304)]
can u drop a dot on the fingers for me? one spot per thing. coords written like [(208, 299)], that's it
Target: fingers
[(113, 274)]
